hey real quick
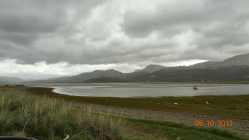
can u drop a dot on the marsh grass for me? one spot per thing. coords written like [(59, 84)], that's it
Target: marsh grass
[(48, 118)]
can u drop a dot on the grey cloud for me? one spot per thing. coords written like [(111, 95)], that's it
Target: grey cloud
[(165, 17), (29, 17), (227, 34), (181, 16), (99, 32), (22, 39)]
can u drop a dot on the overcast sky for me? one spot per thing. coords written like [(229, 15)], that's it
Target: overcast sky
[(50, 38)]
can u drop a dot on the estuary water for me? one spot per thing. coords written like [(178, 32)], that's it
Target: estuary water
[(147, 90)]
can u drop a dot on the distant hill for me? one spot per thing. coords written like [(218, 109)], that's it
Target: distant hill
[(4, 79), (105, 80), (236, 60), (152, 68), (82, 77)]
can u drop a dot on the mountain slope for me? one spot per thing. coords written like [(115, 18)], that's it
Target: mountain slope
[(152, 68), (236, 60)]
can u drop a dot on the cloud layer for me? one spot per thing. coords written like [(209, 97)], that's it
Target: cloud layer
[(135, 32)]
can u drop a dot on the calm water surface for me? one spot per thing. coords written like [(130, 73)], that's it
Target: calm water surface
[(151, 90)]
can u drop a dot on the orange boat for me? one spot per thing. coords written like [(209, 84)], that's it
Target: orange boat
[(195, 88)]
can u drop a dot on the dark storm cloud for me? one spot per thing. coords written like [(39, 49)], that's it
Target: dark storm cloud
[(104, 32)]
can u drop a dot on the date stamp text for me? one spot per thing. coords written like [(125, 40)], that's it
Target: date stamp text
[(212, 123)]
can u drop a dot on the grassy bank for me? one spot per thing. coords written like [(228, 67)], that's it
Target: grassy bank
[(22, 114), (236, 107), (49, 119), (140, 129)]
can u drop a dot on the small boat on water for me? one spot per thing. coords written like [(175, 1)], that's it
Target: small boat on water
[(195, 88)]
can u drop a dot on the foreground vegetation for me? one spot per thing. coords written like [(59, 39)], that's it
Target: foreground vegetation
[(44, 118), (50, 119), (234, 107)]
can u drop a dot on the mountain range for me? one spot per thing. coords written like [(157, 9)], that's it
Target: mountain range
[(232, 69)]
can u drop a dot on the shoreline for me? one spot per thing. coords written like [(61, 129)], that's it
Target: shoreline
[(239, 125)]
